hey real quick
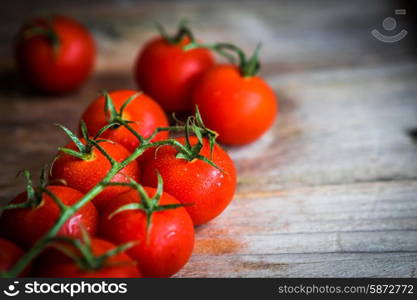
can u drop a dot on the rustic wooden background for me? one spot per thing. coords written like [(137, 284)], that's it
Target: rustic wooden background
[(331, 190)]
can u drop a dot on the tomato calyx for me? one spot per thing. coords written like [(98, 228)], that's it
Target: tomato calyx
[(34, 196), (83, 255), (46, 31), (183, 32), (149, 205), (248, 66), (85, 150)]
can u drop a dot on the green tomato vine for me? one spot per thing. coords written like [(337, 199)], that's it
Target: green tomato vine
[(193, 125)]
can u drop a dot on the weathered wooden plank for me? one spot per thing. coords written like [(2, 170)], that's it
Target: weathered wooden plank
[(341, 230), (303, 265), (372, 217)]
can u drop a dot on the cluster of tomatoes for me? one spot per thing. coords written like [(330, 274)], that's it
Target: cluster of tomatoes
[(130, 229)]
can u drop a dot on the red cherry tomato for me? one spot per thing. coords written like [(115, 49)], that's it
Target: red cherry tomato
[(54, 263), (147, 114), (206, 190), (165, 247), (9, 255), (240, 109), (83, 175), (168, 74), (26, 225), (55, 54)]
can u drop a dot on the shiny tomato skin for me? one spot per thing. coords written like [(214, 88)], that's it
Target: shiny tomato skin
[(206, 190), (56, 71), (240, 109), (167, 246), (9, 255), (83, 175), (54, 263), (168, 73), (26, 225), (147, 114)]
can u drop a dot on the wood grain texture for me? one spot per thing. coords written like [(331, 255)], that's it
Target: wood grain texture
[(330, 190)]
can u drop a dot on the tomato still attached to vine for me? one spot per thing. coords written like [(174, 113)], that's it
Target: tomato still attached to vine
[(141, 113), (32, 213), (200, 174), (233, 101), (84, 162)]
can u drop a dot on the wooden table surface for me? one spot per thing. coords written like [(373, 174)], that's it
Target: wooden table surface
[(330, 190)]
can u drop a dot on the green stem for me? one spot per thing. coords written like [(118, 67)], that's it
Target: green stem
[(128, 127), (248, 67), (160, 129)]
